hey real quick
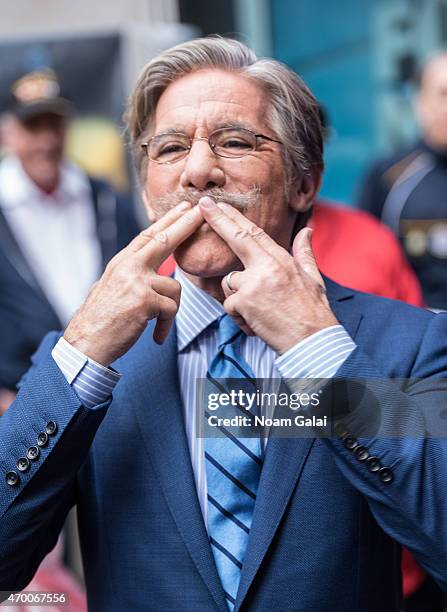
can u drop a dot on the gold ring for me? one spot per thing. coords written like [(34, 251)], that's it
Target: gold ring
[(228, 280)]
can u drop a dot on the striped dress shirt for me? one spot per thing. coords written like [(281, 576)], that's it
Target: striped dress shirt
[(318, 356)]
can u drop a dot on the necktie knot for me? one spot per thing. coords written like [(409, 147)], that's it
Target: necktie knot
[(227, 332)]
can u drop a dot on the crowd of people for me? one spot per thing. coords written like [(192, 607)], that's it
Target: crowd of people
[(201, 136)]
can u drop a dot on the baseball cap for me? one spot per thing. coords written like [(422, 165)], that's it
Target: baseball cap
[(38, 93)]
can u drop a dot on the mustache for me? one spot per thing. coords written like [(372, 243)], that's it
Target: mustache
[(241, 201)]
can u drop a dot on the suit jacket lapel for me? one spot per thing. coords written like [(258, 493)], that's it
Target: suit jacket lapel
[(284, 462), (104, 207), (342, 301), (158, 407)]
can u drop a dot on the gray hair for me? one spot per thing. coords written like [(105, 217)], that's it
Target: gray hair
[(293, 114)]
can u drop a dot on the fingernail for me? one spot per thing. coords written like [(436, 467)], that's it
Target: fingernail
[(183, 206), (207, 202)]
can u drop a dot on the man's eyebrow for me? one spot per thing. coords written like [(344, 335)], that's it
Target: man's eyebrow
[(219, 126), (234, 124), (172, 130)]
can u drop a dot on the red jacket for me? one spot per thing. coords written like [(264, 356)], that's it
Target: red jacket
[(356, 250)]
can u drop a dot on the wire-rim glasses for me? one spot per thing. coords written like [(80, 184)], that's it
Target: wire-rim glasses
[(228, 142)]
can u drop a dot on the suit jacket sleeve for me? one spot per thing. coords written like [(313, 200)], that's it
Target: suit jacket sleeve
[(409, 418), (33, 511)]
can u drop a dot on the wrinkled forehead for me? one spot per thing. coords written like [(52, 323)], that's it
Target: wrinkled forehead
[(211, 98)]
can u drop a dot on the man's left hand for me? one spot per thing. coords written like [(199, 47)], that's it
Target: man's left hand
[(279, 297)]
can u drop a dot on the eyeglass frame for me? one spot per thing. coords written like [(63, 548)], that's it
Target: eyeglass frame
[(145, 145)]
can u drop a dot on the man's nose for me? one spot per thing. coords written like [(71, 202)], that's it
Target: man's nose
[(202, 169), (48, 139)]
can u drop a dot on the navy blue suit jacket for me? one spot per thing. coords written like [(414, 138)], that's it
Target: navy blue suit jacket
[(326, 530), (25, 313)]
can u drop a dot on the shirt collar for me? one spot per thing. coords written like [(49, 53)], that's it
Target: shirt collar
[(16, 187), (73, 183), (196, 312)]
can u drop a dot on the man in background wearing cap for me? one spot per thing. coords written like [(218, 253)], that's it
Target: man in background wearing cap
[(58, 228)]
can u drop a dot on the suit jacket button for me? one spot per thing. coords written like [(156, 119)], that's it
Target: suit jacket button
[(33, 453), (51, 428), (23, 464), (350, 443), (373, 464), (42, 439), (12, 478), (386, 475), (361, 453)]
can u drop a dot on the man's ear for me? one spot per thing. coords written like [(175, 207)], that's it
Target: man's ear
[(149, 210), (303, 194)]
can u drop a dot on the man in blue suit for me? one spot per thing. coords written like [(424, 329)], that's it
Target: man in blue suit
[(229, 151)]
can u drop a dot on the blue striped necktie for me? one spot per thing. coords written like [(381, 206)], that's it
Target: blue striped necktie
[(233, 467)]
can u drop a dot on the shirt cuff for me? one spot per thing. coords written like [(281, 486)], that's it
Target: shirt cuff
[(92, 382), (318, 356)]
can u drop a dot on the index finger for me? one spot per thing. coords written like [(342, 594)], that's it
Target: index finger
[(167, 240), (238, 238), (255, 232), (165, 221)]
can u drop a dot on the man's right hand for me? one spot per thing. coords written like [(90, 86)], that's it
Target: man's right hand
[(130, 292)]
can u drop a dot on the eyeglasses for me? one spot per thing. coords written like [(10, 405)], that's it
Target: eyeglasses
[(225, 142)]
